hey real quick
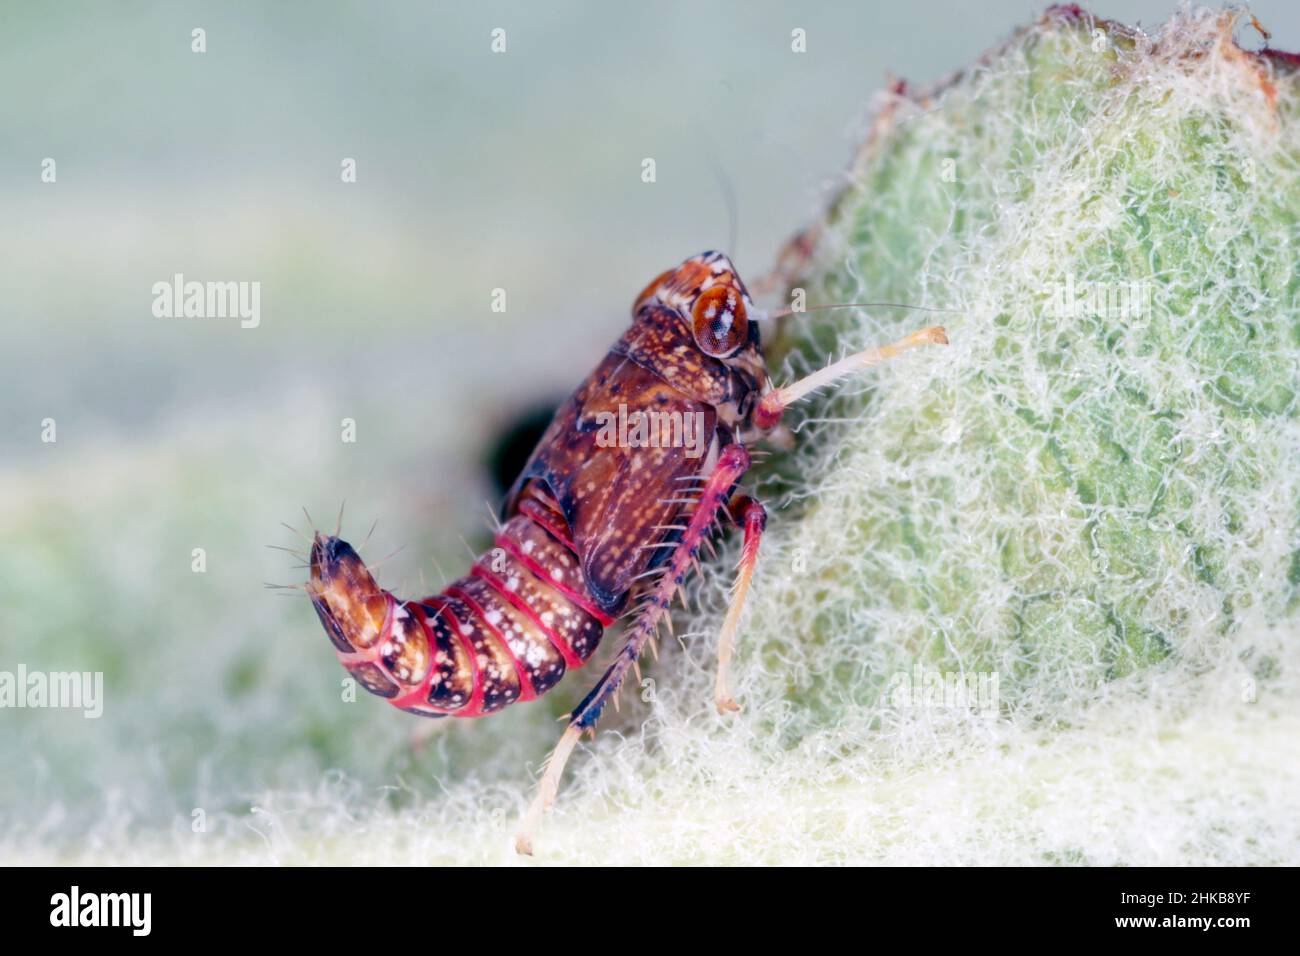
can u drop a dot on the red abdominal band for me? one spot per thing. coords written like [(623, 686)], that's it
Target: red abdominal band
[(571, 659), (526, 690), (508, 545), (420, 695)]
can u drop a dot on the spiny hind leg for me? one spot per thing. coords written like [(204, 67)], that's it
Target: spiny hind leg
[(583, 718), (752, 516), (547, 789), (713, 497)]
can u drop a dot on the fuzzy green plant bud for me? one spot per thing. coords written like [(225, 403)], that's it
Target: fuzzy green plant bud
[(1102, 474)]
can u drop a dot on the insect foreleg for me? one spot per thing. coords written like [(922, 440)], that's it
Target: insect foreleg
[(732, 463), (753, 517), (774, 403)]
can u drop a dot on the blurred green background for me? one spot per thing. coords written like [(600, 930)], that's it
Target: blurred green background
[(475, 171)]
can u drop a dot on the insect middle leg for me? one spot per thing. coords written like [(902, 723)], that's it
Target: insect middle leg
[(732, 463), (752, 516)]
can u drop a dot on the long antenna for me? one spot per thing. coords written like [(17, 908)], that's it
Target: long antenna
[(733, 208)]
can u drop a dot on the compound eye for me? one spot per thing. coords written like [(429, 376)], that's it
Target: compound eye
[(720, 323), (650, 290)]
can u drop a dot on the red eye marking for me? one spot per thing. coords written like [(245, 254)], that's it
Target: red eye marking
[(721, 325)]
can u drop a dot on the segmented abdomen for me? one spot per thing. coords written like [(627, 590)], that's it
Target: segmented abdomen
[(508, 631)]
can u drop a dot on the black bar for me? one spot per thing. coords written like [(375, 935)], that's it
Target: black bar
[(367, 906)]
